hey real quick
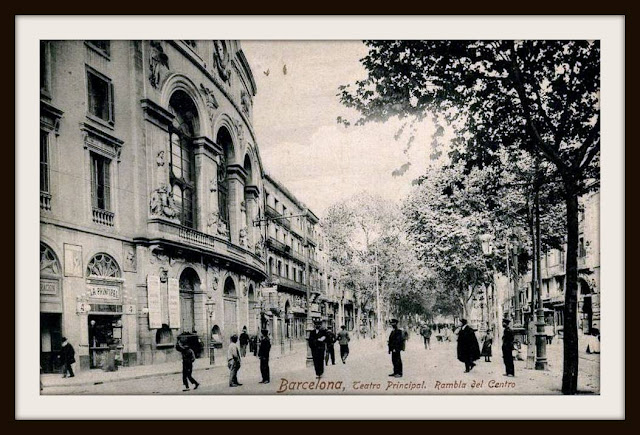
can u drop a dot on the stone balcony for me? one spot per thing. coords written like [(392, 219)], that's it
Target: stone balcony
[(288, 283), (176, 235)]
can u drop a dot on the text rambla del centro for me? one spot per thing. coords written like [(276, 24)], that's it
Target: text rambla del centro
[(360, 386)]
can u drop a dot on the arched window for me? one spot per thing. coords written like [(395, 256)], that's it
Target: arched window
[(183, 177), (224, 140), (49, 265), (271, 266), (103, 266), (229, 288)]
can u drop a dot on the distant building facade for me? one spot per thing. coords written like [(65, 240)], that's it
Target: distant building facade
[(554, 278), (151, 193)]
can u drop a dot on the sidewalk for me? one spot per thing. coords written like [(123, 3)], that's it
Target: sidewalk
[(293, 358), (97, 376)]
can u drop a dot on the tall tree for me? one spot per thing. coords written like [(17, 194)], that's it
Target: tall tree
[(540, 96)]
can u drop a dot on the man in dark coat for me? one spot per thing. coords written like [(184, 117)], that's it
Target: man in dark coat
[(67, 357), (188, 357), (331, 353), (244, 342), (396, 345), (507, 348), (263, 354), (468, 349), (317, 339)]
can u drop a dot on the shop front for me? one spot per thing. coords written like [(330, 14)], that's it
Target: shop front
[(107, 317), (50, 310)]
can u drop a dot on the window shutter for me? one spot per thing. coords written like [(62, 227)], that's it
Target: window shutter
[(107, 185), (112, 114), (94, 181)]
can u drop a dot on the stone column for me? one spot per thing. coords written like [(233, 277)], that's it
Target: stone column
[(236, 176), (206, 156)]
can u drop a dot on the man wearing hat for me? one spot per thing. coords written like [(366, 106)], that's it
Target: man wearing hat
[(263, 354), (507, 348), (317, 339), (468, 349), (396, 345), (67, 357)]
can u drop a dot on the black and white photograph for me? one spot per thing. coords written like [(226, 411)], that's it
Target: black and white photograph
[(334, 217)]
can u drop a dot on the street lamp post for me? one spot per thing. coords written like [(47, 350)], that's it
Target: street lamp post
[(210, 304), (378, 324)]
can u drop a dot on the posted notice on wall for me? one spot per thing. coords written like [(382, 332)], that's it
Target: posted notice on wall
[(154, 302), (174, 303)]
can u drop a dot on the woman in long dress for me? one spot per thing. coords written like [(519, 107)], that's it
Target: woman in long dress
[(487, 341)]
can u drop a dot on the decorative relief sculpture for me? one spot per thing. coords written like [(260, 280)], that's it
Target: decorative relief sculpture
[(210, 99), (212, 221), (259, 247), (213, 184), (222, 59), (157, 59), (162, 203), (222, 229), (160, 158), (240, 129), (245, 102), (243, 236)]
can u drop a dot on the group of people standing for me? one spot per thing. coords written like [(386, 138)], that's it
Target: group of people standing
[(322, 345), (469, 350)]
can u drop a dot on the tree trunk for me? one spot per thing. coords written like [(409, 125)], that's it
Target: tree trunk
[(570, 369)]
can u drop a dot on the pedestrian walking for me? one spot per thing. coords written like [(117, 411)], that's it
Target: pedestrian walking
[(343, 341), (188, 357), (263, 354), (507, 348), (396, 345), (244, 342), (487, 342), (317, 339), (233, 361), (426, 336), (330, 353), (67, 357), (468, 349)]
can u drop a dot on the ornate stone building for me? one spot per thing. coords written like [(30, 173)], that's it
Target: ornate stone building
[(150, 182)]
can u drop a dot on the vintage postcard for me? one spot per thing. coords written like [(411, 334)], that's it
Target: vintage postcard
[(306, 217)]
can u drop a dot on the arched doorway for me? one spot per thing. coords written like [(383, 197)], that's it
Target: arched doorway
[(50, 310), (230, 308), (189, 285)]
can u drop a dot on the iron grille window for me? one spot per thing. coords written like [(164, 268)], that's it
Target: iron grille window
[(100, 182)]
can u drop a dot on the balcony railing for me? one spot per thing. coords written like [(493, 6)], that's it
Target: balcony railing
[(277, 245), (103, 217), (45, 201), (271, 212), (289, 283), (190, 235)]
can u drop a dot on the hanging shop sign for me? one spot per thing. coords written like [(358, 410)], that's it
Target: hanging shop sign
[(154, 302), (103, 292), (174, 302)]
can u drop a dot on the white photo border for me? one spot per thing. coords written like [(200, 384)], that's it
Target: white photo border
[(609, 404)]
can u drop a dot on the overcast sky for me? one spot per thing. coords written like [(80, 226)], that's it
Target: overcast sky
[(301, 143)]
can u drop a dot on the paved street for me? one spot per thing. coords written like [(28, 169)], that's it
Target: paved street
[(435, 371)]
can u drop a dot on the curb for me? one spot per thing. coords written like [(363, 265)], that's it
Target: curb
[(149, 375)]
